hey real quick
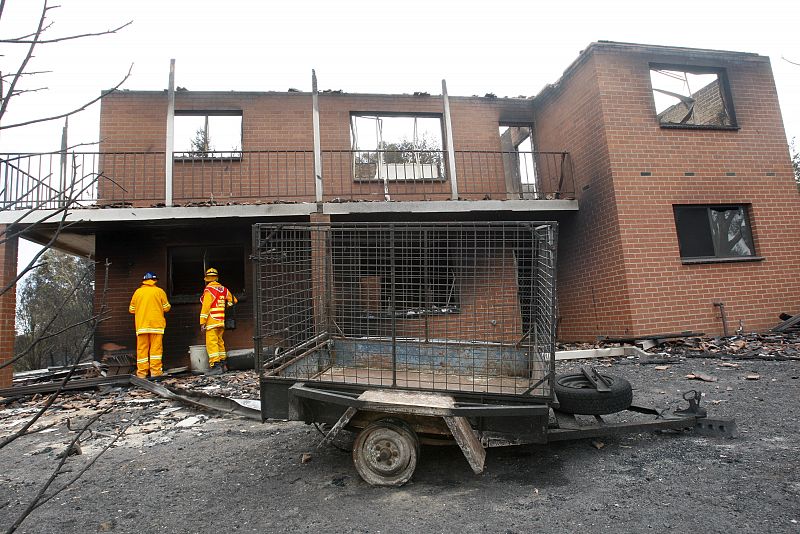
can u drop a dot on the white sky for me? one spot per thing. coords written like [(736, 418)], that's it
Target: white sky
[(509, 48)]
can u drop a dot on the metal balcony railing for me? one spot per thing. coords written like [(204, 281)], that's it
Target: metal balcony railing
[(384, 175), (514, 175), (106, 179), (244, 177)]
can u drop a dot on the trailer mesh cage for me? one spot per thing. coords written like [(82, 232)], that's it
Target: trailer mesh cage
[(456, 307)]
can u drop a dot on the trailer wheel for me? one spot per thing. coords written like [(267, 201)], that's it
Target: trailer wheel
[(385, 453), (577, 395)]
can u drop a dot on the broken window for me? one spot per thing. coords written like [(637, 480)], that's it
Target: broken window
[(397, 147), (692, 96), (208, 134), (713, 232), (414, 275), (187, 266), (516, 143)]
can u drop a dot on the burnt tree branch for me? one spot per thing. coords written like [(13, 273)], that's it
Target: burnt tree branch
[(69, 113), (22, 39)]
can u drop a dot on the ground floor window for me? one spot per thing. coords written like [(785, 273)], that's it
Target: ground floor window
[(418, 275), (710, 232), (188, 264)]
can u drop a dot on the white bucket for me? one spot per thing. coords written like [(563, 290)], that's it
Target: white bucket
[(198, 358)]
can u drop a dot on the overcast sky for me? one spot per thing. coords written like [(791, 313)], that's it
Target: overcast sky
[(506, 48)]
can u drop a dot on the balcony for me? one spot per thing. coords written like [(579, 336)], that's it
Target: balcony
[(138, 179)]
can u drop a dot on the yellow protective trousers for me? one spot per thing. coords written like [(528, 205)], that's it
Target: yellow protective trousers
[(215, 346), (149, 349)]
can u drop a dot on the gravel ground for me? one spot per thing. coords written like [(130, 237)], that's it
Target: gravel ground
[(180, 470)]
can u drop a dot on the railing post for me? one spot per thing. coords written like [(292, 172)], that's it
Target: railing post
[(62, 194), (317, 143), (451, 153), (170, 144)]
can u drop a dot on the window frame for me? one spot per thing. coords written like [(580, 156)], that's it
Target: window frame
[(224, 155), (716, 258), (727, 95), (531, 186), (441, 166)]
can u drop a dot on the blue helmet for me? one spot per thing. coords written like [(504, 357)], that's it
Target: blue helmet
[(150, 275)]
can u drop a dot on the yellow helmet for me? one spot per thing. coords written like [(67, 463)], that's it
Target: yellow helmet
[(211, 274)]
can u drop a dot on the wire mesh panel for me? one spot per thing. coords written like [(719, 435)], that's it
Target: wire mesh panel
[(465, 307)]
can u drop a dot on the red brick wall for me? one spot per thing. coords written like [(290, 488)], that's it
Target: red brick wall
[(135, 123), (488, 308), (8, 271), (592, 286), (476, 123), (665, 294), (136, 251), (620, 271)]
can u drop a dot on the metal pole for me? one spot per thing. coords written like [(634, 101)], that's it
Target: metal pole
[(451, 154), (170, 144), (317, 143), (723, 316), (257, 267), (393, 307)]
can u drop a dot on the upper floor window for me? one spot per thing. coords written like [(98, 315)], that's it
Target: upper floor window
[(713, 232), (519, 161), (693, 97), (208, 134), (397, 147)]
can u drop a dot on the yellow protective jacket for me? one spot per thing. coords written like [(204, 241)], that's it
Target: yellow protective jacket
[(215, 299), (148, 305)]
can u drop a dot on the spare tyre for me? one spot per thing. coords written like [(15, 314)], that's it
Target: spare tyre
[(577, 395)]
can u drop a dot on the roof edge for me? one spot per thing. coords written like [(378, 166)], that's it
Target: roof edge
[(232, 93), (657, 50)]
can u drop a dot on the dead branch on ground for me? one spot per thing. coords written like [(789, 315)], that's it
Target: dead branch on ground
[(57, 471), (85, 468)]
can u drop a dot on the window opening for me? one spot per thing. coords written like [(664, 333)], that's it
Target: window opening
[(713, 232), (208, 134), (516, 143), (691, 97), (396, 147), (187, 266)]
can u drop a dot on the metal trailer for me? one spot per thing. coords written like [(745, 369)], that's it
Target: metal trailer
[(426, 333)]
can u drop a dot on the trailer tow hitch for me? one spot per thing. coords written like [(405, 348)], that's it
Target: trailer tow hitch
[(704, 425), (693, 398)]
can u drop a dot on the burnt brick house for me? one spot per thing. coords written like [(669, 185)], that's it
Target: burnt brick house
[(666, 169)]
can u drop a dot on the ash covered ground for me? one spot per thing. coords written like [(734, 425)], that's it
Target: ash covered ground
[(179, 469)]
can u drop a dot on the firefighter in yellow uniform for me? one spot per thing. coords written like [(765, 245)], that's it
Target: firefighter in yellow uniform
[(216, 298), (148, 305)]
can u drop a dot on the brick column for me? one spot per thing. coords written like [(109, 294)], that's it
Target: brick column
[(8, 307), (320, 273)]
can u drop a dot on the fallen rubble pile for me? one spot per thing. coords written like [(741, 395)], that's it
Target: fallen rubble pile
[(773, 346), (234, 393)]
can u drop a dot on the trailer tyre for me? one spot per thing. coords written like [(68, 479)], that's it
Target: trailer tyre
[(577, 395), (385, 453)]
